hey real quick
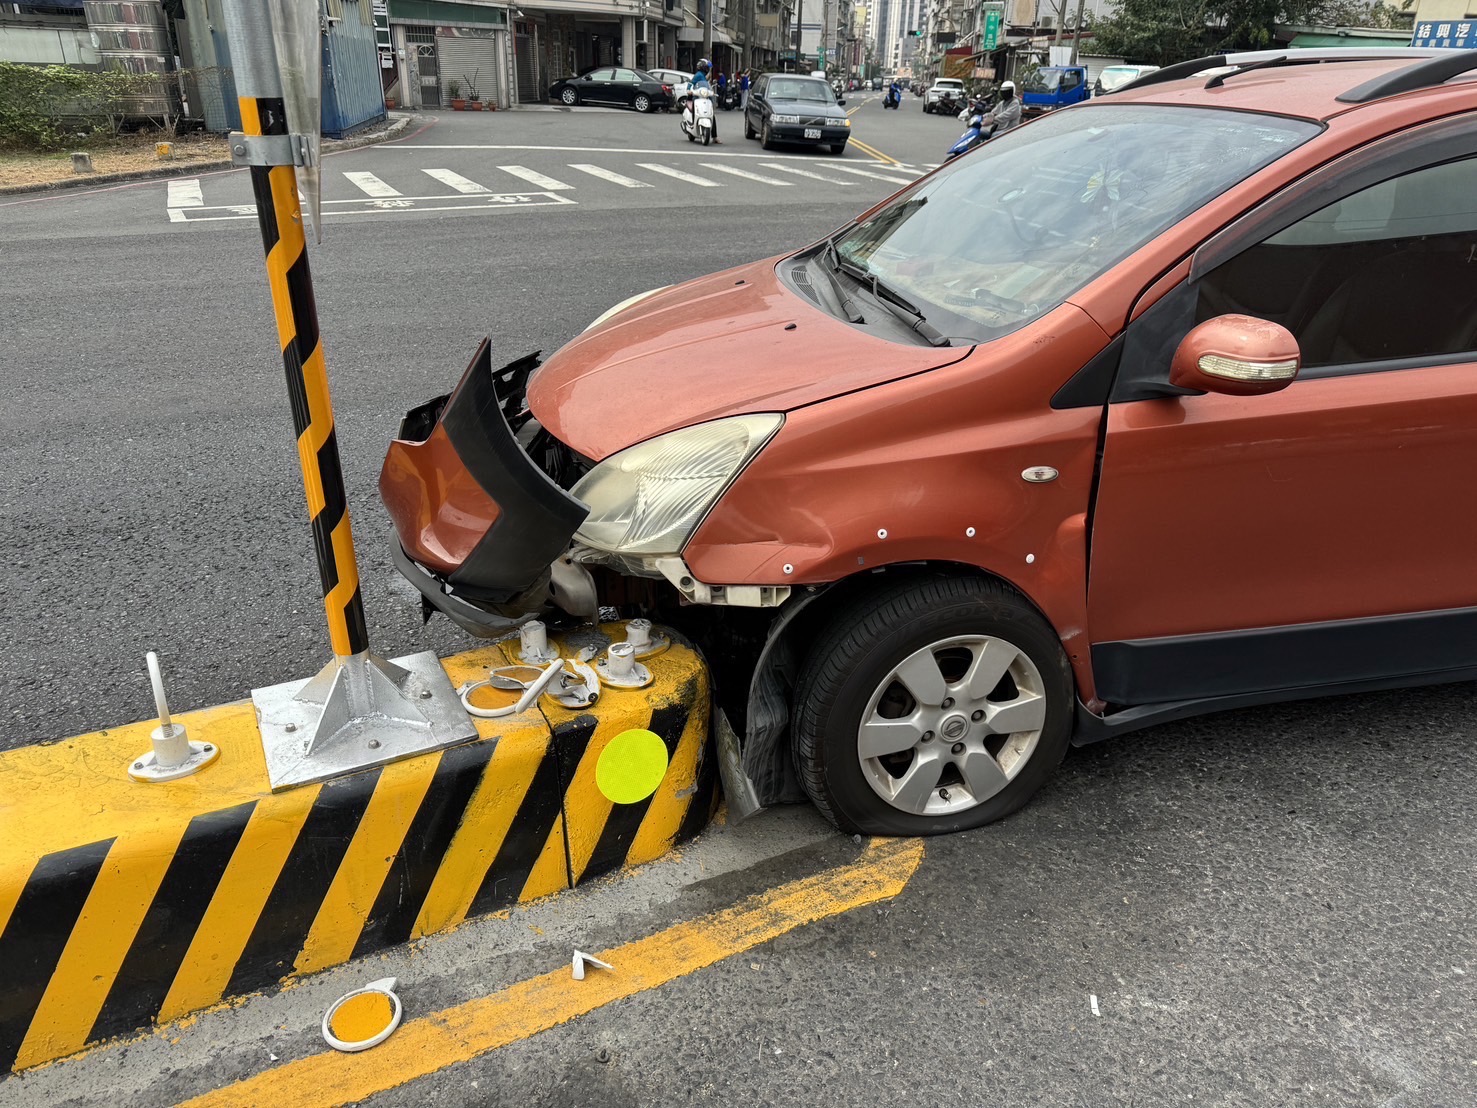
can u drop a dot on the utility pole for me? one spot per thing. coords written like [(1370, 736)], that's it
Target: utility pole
[(749, 35), (1077, 30), (708, 29), (799, 32), (1061, 19)]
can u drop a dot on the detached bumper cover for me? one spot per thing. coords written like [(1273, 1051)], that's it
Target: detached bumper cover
[(477, 517)]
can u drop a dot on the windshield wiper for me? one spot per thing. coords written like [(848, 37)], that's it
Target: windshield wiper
[(848, 306), (890, 298)]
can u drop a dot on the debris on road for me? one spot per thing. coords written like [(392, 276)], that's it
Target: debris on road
[(581, 959)]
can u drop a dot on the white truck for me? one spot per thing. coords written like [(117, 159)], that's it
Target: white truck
[(950, 87)]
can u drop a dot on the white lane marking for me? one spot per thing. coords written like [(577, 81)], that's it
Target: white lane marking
[(806, 173), (370, 185), (869, 173), (534, 178), (457, 181), (746, 174), (186, 194), (932, 165), (691, 179), (669, 152), (492, 201), (611, 176)]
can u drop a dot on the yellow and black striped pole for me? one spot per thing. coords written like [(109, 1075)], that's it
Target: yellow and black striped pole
[(264, 116)]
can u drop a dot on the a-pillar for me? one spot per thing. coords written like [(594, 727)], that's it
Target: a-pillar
[(628, 41)]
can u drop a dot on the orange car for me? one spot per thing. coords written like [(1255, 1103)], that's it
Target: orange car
[(1163, 404)]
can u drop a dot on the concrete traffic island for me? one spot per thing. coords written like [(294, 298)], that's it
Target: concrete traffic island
[(125, 904)]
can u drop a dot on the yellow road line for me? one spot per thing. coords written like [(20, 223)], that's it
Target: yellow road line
[(424, 1046), (877, 154)]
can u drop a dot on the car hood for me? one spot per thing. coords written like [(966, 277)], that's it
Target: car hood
[(728, 344), (808, 108)]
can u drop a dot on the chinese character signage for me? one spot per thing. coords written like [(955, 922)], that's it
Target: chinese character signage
[(994, 19), (1458, 34)]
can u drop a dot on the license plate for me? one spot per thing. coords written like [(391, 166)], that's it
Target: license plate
[(812, 132)]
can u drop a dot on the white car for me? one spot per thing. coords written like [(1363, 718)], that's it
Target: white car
[(953, 86), (1114, 77), (674, 77)]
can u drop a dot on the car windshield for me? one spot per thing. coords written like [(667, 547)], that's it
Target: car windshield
[(1010, 231), (1116, 75), (1044, 80), (799, 88)]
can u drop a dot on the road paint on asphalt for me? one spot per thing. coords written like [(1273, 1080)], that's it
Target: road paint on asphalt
[(874, 152), (806, 173), (491, 201), (736, 172), (186, 193), (457, 181), (369, 184), (535, 178), (877, 176), (690, 178), (610, 175), (432, 1043), (668, 152)]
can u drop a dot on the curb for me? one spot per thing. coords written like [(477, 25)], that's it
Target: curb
[(398, 123), (125, 905)]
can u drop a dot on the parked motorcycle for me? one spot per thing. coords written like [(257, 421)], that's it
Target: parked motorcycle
[(697, 119), (728, 99), (976, 134), (894, 97), (947, 104)]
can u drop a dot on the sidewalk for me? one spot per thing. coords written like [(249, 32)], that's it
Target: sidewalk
[(392, 127)]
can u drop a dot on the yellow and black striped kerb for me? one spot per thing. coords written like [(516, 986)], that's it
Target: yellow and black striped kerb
[(125, 904), (281, 221)]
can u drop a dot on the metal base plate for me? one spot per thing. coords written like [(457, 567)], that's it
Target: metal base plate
[(356, 713), (146, 766)]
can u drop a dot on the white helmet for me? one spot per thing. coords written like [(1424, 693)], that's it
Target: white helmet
[(1008, 86)]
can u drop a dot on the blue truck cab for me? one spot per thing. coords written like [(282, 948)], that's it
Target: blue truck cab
[(1052, 87)]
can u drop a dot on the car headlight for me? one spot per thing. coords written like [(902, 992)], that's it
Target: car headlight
[(784, 119), (623, 305), (649, 499)]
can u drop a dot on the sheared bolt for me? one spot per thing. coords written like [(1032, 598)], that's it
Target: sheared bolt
[(602, 1056)]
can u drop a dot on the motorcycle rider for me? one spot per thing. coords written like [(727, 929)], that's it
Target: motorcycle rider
[(895, 91), (1006, 114), (700, 80)]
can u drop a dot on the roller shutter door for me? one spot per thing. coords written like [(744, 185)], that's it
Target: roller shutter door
[(468, 55)]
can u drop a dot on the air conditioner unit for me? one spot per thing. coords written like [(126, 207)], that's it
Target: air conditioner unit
[(1046, 22)]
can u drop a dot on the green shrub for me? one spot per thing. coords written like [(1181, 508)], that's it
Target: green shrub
[(42, 106)]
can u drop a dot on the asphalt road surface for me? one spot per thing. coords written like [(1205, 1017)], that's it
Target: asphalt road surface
[(1269, 907)]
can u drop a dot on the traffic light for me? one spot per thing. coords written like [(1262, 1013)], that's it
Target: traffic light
[(915, 34)]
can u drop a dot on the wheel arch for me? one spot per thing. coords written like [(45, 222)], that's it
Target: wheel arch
[(766, 746)]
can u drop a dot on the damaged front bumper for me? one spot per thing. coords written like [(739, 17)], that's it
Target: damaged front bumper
[(481, 526)]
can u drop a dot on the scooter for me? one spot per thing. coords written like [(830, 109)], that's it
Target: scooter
[(893, 99), (697, 118), (728, 99), (974, 135)]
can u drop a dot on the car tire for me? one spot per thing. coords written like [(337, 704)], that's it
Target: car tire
[(749, 132), (939, 765), (569, 97), (766, 138), (642, 103)]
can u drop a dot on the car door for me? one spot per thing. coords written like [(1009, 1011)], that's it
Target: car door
[(623, 91), (1321, 535), (758, 97), (597, 86)]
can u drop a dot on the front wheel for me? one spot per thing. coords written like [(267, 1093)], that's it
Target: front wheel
[(707, 135), (766, 138), (570, 97), (749, 131), (642, 102), (937, 705)]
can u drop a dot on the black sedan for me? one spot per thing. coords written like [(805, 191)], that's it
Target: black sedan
[(621, 88), (785, 108)]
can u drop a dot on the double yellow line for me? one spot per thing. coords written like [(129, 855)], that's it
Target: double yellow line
[(870, 151)]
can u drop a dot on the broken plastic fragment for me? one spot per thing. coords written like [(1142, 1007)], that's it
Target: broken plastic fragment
[(581, 959)]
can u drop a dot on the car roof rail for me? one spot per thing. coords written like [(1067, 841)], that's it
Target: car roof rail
[(1194, 66), (1424, 74)]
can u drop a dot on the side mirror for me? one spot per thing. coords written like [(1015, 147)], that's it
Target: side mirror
[(1239, 355), (841, 101)]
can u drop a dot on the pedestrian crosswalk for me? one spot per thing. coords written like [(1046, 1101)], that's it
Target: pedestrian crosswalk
[(498, 186)]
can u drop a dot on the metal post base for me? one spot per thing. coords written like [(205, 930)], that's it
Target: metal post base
[(358, 712)]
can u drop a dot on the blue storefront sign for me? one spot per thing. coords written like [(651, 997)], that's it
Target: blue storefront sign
[(1460, 34)]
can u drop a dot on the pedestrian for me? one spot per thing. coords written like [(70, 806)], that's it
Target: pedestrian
[(744, 90)]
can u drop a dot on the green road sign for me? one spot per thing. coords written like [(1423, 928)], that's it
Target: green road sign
[(994, 18)]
